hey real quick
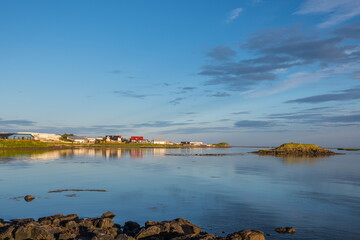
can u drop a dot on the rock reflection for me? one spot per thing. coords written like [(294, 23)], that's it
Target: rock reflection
[(302, 160)]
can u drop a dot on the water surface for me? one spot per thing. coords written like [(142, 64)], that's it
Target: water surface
[(320, 197)]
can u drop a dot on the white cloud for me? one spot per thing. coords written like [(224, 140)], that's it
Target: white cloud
[(338, 10), (234, 15), (300, 78)]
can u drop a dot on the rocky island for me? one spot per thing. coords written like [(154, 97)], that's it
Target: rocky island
[(297, 149), (103, 228)]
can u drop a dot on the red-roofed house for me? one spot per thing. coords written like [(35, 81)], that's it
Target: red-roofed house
[(136, 139)]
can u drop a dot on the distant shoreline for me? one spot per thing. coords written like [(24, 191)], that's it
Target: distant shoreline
[(37, 145)]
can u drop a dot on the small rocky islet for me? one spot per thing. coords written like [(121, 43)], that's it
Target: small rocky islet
[(297, 150), (103, 228)]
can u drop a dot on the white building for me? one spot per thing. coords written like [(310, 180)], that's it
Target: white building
[(159, 141), (45, 137)]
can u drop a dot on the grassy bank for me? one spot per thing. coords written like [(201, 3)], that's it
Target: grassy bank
[(24, 144)]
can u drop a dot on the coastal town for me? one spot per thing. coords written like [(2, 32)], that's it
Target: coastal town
[(51, 137)]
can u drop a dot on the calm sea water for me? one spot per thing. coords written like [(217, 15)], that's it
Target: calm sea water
[(319, 197)]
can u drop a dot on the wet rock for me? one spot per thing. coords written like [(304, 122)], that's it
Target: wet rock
[(108, 215), (246, 235), (285, 230)]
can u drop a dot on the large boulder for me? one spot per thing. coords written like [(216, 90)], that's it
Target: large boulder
[(168, 229), (246, 235)]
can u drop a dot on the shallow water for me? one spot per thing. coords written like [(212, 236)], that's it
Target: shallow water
[(320, 197)]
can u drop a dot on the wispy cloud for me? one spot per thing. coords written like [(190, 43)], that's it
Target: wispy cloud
[(220, 94), (345, 95), (221, 53), (16, 122), (159, 124), (254, 124), (337, 10), (278, 51), (176, 101), (131, 94), (239, 113), (234, 14)]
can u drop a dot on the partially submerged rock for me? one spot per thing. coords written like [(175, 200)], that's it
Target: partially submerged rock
[(285, 230), (72, 227), (297, 149), (29, 198)]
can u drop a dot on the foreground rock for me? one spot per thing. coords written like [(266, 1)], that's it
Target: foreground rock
[(297, 149), (103, 228)]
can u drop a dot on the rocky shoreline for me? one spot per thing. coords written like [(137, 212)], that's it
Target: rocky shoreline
[(103, 228)]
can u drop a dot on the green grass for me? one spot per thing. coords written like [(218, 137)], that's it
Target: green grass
[(23, 144), (222, 145)]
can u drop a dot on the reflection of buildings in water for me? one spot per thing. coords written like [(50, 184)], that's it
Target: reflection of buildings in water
[(136, 153), (112, 153), (46, 156), (107, 153), (159, 152)]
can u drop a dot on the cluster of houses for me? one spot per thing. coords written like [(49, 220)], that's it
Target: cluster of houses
[(50, 137)]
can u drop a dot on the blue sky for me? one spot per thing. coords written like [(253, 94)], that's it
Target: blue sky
[(249, 72)]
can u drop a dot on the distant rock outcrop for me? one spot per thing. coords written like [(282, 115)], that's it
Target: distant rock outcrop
[(297, 149), (103, 228)]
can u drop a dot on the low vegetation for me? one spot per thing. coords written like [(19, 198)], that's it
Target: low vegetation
[(297, 149), (222, 145), (23, 144)]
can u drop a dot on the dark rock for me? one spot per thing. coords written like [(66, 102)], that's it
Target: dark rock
[(286, 230), (124, 237), (205, 236), (108, 215), (169, 229), (7, 232), (67, 235), (23, 221), (43, 232), (246, 235), (106, 223), (68, 217), (29, 198), (24, 232), (71, 225), (131, 228)]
